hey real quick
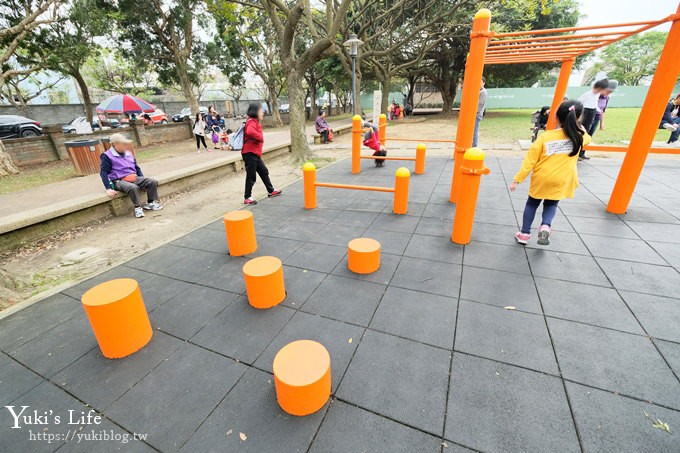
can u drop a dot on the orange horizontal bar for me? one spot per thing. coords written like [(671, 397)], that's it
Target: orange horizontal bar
[(500, 44), (353, 187), (536, 60), (554, 38), (623, 149), (565, 53), (429, 140), (587, 27), (552, 57), (387, 158), (519, 50)]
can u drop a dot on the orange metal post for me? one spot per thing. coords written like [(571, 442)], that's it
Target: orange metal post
[(472, 169), (309, 178), (474, 68), (356, 144), (382, 128), (660, 90), (401, 183), (560, 91), (421, 149)]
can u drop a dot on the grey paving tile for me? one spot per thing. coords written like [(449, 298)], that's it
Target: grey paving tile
[(560, 241), (435, 227), (500, 288), (251, 409), (415, 209), (647, 214), (157, 290), (373, 205), (427, 318), (509, 258), (78, 290), (602, 227), (55, 349), (644, 278), (397, 223), (206, 239), (338, 235), (339, 338), (609, 422), (100, 381), (421, 275), (278, 247), (391, 242), (388, 265), (349, 428), (15, 380), (594, 210), (442, 210), (356, 219), (496, 217), (434, 248), (565, 266), (670, 252), (622, 249), (670, 352), (227, 276), (186, 313), (173, 400), (384, 366), (317, 257), (660, 316), (661, 232), (614, 361), (318, 215), (36, 319), (242, 332), (300, 284), (178, 263), (345, 299), (586, 303), (505, 335), (497, 407), (297, 230)]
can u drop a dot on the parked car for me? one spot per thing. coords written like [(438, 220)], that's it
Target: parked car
[(110, 123), (186, 113), (78, 125), (284, 108), (15, 126), (159, 116)]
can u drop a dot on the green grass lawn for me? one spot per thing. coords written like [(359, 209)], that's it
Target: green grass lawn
[(507, 126)]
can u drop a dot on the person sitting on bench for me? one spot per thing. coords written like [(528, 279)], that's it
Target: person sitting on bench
[(322, 127), (120, 173), (671, 121)]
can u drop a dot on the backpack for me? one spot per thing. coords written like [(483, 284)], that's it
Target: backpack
[(236, 140)]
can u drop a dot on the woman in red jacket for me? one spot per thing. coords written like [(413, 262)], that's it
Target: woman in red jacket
[(253, 139)]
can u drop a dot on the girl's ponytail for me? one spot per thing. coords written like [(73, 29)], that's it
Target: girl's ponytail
[(568, 115)]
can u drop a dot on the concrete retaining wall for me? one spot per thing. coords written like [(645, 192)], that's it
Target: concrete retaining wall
[(34, 150)]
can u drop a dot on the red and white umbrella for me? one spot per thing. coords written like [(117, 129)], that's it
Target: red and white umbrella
[(125, 103)]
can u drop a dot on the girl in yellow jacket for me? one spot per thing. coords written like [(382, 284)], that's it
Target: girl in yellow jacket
[(551, 160)]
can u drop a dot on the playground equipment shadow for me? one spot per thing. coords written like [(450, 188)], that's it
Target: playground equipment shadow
[(489, 346)]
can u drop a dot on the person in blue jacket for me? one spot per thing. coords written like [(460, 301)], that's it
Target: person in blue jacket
[(671, 120)]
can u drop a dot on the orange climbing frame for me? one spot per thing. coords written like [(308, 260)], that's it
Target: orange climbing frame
[(563, 45)]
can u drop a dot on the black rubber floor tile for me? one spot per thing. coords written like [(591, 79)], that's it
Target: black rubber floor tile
[(186, 313), (644, 278), (355, 219), (501, 289), (440, 211), (251, 412), (345, 299), (385, 366), (179, 263), (157, 290), (101, 381), (172, 401), (610, 422), (670, 352), (622, 249), (338, 235), (565, 266), (339, 338), (510, 258), (434, 248), (78, 290), (55, 349), (280, 248), (297, 230), (391, 242), (498, 408), (422, 275), (660, 316), (426, 318), (317, 257), (300, 284), (586, 303), (206, 239), (602, 227), (227, 276), (349, 428), (388, 265), (615, 361), (15, 380), (37, 319), (431, 226), (397, 223), (317, 215), (241, 331)]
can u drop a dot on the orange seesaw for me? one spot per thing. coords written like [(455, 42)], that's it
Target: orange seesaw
[(357, 131), (400, 189)]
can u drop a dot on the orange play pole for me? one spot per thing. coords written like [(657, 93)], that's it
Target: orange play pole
[(471, 171), (356, 144), (472, 81), (382, 128), (421, 150), (560, 91), (660, 90), (309, 181), (401, 183)]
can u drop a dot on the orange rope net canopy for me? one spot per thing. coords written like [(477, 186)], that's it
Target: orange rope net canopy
[(560, 44)]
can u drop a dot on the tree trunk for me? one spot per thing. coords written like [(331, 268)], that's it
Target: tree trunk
[(187, 87), (7, 165), (385, 86), (85, 93), (298, 133), (276, 114), (448, 89)]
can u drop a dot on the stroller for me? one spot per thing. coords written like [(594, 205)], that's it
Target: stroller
[(372, 140), (539, 119)]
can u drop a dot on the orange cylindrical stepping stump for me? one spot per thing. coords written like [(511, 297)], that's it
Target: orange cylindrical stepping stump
[(118, 317), (363, 255), (264, 281), (240, 229), (302, 375)]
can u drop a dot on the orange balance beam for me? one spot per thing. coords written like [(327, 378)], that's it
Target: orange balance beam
[(413, 159), (623, 149), (353, 187)]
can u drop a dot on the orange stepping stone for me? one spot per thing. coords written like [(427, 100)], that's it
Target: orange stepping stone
[(363, 255), (240, 229), (118, 317), (264, 281), (302, 375)]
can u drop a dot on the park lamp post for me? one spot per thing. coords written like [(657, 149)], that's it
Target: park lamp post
[(354, 43)]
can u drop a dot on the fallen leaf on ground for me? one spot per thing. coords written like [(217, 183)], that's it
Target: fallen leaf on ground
[(510, 307), (350, 340), (658, 424), (242, 436), (229, 432)]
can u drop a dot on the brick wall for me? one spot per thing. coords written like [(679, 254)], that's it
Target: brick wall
[(159, 133), (33, 150)]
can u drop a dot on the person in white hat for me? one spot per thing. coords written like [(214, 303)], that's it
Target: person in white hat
[(120, 173)]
